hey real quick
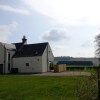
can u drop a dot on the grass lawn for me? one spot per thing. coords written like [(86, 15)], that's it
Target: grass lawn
[(27, 87)]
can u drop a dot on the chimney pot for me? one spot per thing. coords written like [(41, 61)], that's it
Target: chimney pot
[(24, 40)]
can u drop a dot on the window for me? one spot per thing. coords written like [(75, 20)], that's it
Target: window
[(8, 56), (27, 64), (8, 66), (9, 61)]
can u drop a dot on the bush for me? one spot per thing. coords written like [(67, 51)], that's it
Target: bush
[(87, 90)]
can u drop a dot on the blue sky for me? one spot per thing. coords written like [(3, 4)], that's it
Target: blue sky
[(68, 25)]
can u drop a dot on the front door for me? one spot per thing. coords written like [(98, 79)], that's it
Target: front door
[(1, 68)]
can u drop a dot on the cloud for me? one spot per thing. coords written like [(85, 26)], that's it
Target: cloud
[(97, 33), (66, 50), (14, 10), (85, 53), (88, 44), (68, 12), (7, 30), (56, 35)]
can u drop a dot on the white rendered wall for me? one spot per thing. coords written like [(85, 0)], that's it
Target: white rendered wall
[(35, 64)]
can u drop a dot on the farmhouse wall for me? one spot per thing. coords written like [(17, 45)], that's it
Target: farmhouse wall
[(28, 64)]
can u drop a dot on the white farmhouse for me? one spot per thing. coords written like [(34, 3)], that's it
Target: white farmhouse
[(25, 58)]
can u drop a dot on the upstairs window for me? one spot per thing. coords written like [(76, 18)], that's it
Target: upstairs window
[(8, 56)]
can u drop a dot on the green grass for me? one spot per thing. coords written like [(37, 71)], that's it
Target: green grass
[(27, 87)]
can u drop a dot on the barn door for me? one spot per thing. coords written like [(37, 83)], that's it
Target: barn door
[(1, 68)]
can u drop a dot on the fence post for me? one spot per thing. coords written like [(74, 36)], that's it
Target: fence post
[(98, 76)]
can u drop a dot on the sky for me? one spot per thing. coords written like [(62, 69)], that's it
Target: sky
[(69, 26)]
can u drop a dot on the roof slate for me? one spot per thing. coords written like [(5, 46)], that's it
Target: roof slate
[(18, 45), (29, 50)]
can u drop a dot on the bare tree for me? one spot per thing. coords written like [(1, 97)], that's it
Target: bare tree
[(97, 52), (97, 46)]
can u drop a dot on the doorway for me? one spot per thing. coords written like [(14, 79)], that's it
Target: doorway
[(1, 68)]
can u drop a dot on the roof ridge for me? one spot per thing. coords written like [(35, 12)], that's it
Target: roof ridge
[(37, 43)]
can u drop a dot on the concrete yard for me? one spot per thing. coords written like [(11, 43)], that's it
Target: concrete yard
[(64, 74)]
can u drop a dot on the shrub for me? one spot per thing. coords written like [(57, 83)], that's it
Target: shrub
[(87, 90)]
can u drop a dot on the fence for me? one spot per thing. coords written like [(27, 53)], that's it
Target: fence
[(59, 67)]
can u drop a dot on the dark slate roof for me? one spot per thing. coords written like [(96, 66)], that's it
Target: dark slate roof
[(18, 45), (30, 50), (79, 63)]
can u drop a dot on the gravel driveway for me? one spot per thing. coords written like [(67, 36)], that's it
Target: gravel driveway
[(64, 74)]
